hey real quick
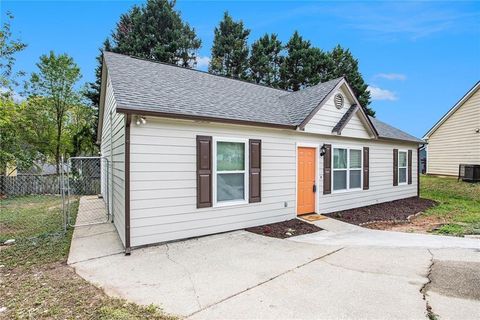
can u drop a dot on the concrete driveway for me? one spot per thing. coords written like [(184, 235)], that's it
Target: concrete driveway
[(339, 273)]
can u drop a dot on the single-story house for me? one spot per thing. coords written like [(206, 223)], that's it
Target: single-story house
[(458, 131), (196, 154)]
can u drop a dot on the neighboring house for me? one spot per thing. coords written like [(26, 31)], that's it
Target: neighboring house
[(196, 154), (455, 138)]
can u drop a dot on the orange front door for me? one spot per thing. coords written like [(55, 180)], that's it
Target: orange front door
[(306, 180)]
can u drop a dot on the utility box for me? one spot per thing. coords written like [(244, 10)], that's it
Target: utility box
[(469, 172)]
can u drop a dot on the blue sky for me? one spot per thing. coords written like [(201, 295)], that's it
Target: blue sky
[(418, 57)]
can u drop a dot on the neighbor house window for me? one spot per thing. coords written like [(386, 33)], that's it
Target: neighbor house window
[(230, 175), (402, 166), (347, 168)]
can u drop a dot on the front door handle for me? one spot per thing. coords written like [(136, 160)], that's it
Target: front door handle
[(314, 188)]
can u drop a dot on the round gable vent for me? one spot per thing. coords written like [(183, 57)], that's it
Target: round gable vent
[(339, 101)]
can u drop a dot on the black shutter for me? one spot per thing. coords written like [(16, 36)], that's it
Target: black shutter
[(366, 168), (327, 169), (395, 167), (204, 171), (255, 167), (409, 166)]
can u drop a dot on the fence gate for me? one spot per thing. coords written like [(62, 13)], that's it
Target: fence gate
[(85, 183)]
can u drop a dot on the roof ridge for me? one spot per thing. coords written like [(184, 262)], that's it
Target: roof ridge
[(200, 71), (306, 89)]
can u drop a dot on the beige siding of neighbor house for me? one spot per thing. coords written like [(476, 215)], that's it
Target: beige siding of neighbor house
[(163, 179), (455, 141), (328, 116), (113, 149)]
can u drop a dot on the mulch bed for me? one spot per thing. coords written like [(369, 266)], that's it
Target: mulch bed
[(285, 229), (397, 210)]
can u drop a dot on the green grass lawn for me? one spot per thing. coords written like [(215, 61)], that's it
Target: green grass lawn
[(35, 282), (458, 204)]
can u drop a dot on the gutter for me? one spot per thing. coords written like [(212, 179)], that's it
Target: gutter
[(129, 111), (418, 169)]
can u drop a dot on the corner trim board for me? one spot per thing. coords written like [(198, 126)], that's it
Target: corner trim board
[(127, 184)]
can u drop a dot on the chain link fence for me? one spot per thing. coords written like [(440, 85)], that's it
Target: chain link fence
[(34, 201), (86, 180)]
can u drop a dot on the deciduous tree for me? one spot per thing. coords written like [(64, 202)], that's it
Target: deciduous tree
[(8, 49), (53, 88)]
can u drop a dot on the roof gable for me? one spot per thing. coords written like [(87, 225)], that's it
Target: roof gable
[(450, 112), (326, 118)]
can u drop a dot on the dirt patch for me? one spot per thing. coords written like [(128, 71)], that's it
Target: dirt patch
[(54, 291), (285, 229), (398, 210), (418, 224)]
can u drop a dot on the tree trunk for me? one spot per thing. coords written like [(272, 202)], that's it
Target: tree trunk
[(57, 149)]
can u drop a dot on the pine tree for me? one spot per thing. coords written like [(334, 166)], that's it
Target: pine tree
[(296, 71), (343, 63), (265, 60), (154, 31), (230, 50)]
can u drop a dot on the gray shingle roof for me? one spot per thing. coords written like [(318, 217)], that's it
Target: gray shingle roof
[(387, 131), (142, 85)]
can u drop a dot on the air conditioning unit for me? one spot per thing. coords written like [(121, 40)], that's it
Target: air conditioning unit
[(469, 172)]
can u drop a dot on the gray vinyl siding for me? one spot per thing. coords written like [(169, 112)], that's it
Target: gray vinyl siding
[(163, 179), (455, 141), (113, 149)]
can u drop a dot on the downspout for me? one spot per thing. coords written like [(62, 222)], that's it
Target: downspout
[(418, 170), (127, 184)]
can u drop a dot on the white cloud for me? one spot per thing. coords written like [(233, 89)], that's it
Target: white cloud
[(377, 93), (202, 62), (391, 76)]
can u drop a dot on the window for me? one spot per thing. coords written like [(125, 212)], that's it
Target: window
[(402, 167), (347, 169), (230, 172)]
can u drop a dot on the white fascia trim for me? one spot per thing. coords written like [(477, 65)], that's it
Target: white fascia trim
[(452, 110)]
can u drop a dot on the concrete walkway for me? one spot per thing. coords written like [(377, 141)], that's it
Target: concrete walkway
[(91, 239), (339, 233), (326, 275)]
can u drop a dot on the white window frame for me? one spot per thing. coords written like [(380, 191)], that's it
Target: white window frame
[(245, 171), (347, 169), (406, 167)]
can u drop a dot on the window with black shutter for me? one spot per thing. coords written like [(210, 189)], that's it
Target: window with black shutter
[(327, 169), (366, 168), (204, 171), (255, 167)]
